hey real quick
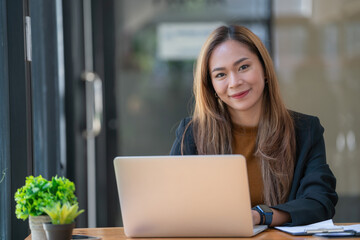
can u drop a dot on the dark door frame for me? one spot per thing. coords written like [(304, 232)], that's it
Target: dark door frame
[(106, 143), (103, 13), (15, 123)]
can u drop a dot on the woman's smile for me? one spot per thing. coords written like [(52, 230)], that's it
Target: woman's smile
[(240, 95)]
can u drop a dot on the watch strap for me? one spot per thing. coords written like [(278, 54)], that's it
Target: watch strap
[(268, 219), (266, 214)]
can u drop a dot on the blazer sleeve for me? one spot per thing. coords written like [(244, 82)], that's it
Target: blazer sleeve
[(189, 147), (312, 197)]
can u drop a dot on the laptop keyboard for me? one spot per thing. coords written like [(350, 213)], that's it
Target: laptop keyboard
[(259, 228)]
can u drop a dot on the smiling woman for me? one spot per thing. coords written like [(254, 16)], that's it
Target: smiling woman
[(239, 110)]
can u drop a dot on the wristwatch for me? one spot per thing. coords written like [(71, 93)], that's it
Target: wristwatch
[(266, 214)]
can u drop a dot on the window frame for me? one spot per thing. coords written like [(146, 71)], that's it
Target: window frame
[(15, 127)]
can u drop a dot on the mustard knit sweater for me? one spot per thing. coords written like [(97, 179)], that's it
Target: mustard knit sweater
[(244, 141)]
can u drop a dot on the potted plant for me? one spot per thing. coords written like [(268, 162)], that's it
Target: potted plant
[(39, 193), (62, 220)]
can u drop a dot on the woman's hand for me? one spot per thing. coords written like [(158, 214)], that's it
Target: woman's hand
[(256, 217)]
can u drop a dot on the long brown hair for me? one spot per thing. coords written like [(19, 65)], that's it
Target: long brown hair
[(212, 125)]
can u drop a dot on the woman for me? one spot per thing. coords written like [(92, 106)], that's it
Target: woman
[(239, 110)]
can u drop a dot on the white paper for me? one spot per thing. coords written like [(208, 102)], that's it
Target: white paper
[(355, 227), (327, 224)]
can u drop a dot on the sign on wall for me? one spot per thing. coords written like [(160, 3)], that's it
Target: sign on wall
[(182, 41)]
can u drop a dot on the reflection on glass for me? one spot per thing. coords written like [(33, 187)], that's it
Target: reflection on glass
[(317, 59)]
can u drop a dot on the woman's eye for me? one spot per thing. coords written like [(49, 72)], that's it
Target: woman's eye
[(243, 67), (220, 75)]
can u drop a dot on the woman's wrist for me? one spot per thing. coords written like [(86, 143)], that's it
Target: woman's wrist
[(280, 217)]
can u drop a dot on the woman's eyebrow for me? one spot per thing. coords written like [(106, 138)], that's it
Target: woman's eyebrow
[(235, 63), (240, 60), (218, 69)]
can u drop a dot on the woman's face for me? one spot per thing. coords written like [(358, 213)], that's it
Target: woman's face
[(238, 78)]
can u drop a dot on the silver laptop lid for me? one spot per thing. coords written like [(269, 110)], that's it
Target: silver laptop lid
[(184, 196)]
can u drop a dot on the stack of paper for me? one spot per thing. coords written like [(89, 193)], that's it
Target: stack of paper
[(320, 227)]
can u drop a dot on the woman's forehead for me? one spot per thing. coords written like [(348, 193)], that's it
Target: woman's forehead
[(228, 52)]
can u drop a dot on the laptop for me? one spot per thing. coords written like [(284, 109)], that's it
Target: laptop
[(185, 196)]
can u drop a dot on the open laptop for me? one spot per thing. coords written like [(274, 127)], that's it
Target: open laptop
[(185, 196)]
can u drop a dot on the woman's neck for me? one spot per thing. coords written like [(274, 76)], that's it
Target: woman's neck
[(245, 119)]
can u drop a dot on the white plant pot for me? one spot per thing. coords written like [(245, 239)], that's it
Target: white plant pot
[(36, 227)]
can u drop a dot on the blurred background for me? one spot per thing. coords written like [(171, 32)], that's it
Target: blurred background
[(114, 77)]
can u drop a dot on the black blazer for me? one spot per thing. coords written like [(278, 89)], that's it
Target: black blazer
[(312, 196)]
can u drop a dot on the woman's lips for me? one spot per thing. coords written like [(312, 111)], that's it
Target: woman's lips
[(240, 94)]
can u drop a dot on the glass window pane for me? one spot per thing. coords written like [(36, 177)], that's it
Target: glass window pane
[(317, 60), (158, 42)]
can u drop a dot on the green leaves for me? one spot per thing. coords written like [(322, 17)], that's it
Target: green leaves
[(64, 214), (39, 193)]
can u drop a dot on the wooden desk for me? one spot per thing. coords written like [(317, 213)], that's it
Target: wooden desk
[(117, 233)]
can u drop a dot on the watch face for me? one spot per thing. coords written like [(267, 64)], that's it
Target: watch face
[(265, 208)]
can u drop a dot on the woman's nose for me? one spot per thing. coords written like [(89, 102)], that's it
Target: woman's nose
[(234, 80)]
